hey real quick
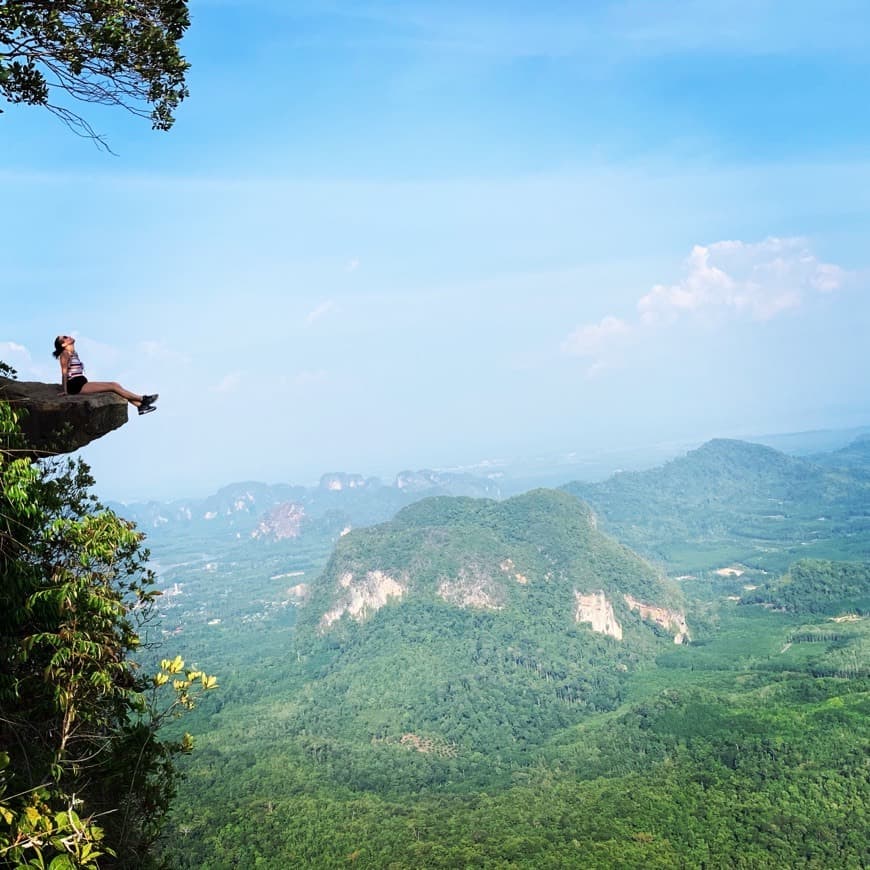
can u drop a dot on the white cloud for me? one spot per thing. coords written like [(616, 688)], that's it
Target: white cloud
[(321, 310), (19, 357), (11, 351), (229, 383), (828, 278), (352, 265), (597, 338), (756, 280), (760, 279)]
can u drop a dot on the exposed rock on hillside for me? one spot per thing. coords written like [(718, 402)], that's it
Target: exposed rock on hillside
[(595, 609), (473, 587), (531, 555), (55, 423), (363, 596), (480, 634), (669, 620), (508, 567), (299, 593), (282, 522), (336, 481)]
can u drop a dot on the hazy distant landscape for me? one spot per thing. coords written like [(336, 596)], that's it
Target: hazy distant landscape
[(434, 434), (666, 667)]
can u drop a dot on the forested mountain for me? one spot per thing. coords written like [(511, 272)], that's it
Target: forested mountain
[(732, 500), (530, 552), (817, 586), (476, 626), (852, 459)]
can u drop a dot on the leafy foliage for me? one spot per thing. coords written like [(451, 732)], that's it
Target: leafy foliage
[(83, 774), (817, 586), (114, 52)]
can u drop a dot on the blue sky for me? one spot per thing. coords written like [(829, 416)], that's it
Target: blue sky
[(386, 235)]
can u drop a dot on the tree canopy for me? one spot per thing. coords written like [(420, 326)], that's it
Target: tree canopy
[(112, 52), (85, 780)]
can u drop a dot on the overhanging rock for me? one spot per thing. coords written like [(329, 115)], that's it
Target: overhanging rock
[(54, 423)]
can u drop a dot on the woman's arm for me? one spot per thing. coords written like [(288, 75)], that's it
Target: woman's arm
[(64, 366)]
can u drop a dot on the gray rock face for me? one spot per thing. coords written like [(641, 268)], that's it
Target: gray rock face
[(54, 423)]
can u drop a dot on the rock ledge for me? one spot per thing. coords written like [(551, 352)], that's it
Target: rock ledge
[(55, 423)]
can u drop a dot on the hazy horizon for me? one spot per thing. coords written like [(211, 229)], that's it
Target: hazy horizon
[(386, 236), (516, 474)]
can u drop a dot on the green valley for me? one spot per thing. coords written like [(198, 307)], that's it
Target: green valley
[(496, 684)]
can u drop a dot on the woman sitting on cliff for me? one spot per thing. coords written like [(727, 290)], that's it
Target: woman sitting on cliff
[(75, 382)]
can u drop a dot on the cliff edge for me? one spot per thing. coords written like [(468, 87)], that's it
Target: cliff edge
[(53, 423)]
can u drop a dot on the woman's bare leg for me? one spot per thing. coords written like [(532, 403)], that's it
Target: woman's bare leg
[(111, 387)]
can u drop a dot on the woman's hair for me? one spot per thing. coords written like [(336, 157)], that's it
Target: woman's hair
[(58, 347)]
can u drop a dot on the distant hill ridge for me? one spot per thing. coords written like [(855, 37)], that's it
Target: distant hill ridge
[(750, 498), (716, 470), (249, 507), (854, 458)]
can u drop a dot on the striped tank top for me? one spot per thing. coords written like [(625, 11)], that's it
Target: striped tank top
[(75, 368)]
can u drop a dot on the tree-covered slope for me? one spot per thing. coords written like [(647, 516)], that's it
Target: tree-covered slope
[(733, 500), (424, 729), (728, 754), (474, 630), (817, 586), (530, 553), (852, 459)]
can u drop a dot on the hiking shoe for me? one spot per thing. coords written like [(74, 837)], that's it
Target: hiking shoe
[(146, 409), (150, 400)]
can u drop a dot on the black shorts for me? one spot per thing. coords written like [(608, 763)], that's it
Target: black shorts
[(74, 385)]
